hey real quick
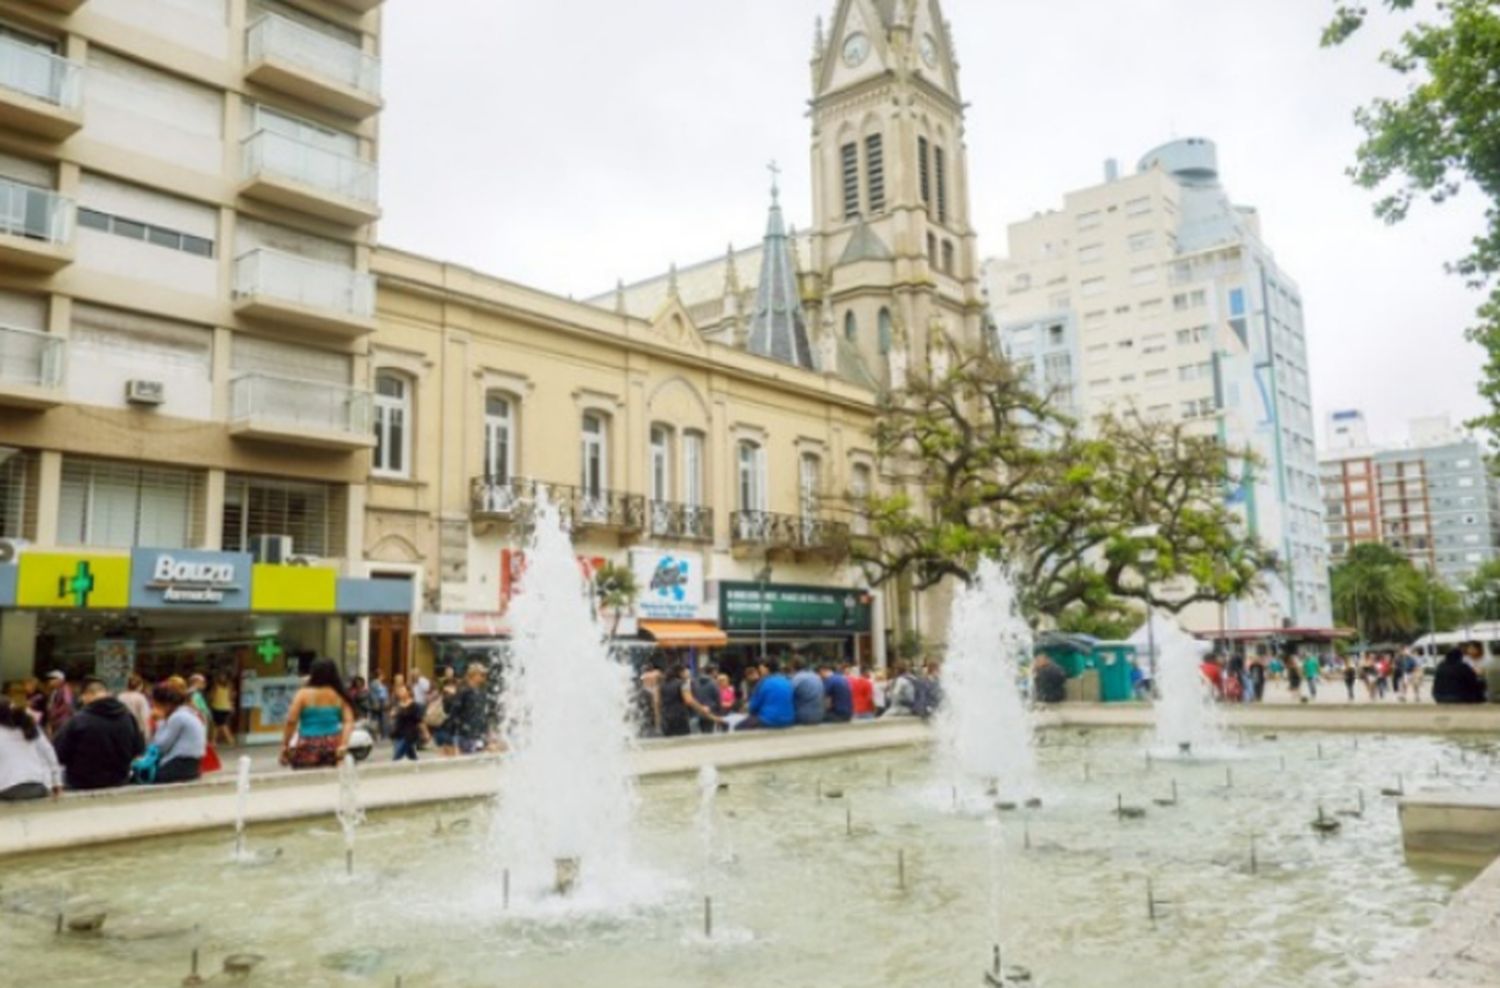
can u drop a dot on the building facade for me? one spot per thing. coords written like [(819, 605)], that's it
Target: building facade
[(1433, 499), (660, 447), (187, 208), (1154, 293)]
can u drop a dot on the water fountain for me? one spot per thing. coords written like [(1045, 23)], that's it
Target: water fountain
[(241, 800), (1188, 724), (984, 730), (350, 813), (563, 825)]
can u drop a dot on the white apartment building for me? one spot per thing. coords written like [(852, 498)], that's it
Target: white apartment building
[(188, 194), (1154, 292)]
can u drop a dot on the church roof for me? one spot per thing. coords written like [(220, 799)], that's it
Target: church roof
[(778, 329)]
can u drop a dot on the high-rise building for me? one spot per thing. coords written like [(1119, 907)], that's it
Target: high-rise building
[(1153, 292), (1433, 499), (187, 205)]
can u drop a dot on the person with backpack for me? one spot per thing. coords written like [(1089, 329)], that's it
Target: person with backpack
[(902, 693)]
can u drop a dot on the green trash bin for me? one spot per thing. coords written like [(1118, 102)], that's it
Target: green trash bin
[(1113, 659)]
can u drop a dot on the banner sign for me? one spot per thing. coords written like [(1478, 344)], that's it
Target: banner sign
[(190, 580), (744, 607), (670, 584)]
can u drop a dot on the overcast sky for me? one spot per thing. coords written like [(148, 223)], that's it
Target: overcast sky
[(569, 143)]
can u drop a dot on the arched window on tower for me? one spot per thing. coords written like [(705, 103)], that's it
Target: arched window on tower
[(885, 332), (851, 327)]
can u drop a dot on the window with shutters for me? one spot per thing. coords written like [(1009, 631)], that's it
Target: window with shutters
[(924, 173), (850, 155), (875, 171), (119, 505), (312, 514), (18, 492), (940, 175)]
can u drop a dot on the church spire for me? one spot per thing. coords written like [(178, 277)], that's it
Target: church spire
[(779, 327)]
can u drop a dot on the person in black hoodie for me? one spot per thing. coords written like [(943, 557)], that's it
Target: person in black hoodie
[(98, 743), (1455, 680)]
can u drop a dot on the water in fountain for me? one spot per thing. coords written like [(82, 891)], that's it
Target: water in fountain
[(241, 801), (708, 794), (984, 729), (1187, 719), (567, 795), (350, 813)]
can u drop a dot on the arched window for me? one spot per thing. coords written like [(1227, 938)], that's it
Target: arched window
[(595, 478), (392, 425), (499, 439), (885, 330), (752, 472), (661, 463), (851, 327)]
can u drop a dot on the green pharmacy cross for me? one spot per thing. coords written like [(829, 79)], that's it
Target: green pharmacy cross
[(268, 650), (79, 586)]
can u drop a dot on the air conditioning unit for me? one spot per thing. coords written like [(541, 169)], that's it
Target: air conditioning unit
[(10, 549), (145, 392), (273, 550)]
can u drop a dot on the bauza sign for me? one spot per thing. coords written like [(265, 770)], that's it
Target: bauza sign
[(191, 582), (191, 578)]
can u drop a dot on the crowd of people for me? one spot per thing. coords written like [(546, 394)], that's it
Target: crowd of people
[(778, 693), (1465, 675)]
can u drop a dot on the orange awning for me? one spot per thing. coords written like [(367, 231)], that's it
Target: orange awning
[(685, 634)]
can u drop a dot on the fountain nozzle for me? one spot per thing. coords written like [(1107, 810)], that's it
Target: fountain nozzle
[(1184, 747), (567, 874)]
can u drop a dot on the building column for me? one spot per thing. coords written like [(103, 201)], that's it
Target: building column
[(48, 497), (877, 629), (213, 511), (354, 531)]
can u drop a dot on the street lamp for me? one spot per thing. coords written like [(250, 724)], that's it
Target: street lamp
[(764, 576)]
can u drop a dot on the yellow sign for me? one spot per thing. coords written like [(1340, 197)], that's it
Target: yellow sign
[(84, 582), (293, 590)]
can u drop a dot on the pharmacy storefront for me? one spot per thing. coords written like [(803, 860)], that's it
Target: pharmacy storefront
[(166, 612)]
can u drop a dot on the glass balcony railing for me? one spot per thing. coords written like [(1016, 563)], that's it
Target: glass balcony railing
[(34, 213), (31, 359), (302, 281), (39, 74), (270, 155), (295, 404), (273, 37)]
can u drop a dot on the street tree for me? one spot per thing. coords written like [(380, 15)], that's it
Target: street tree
[(1441, 136), (1378, 592), (616, 589), (981, 465)]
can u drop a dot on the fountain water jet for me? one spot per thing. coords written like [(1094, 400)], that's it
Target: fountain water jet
[(1188, 724), (564, 819), (241, 799), (350, 813), (985, 732)]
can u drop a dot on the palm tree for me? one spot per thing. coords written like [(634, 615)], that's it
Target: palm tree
[(1378, 591), (616, 590)]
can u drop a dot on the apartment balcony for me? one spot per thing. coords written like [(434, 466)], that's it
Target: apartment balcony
[(496, 500), (36, 227), (311, 179), (31, 368), (313, 414), (682, 522), (40, 93), (316, 295), (796, 533), (300, 62)]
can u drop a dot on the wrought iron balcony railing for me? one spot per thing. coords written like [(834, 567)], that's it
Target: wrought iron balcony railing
[(668, 520), (579, 507), (777, 531)]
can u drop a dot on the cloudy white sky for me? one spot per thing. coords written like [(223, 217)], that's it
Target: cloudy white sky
[(569, 143)]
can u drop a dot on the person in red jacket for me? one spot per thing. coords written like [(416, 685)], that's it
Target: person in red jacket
[(1215, 675), (863, 689)]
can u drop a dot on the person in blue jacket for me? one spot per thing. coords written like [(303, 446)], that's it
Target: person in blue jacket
[(772, 704)]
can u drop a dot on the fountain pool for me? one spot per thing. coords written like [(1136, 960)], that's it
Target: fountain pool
[(796, 899)]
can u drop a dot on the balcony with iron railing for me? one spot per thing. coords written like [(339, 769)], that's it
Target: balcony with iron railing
[(310, 178), (309, 65), (798, 533), (40, 93), (493, 499), (314, 294), (36, 227), (295, 412), (31, 368), (681, 522)]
